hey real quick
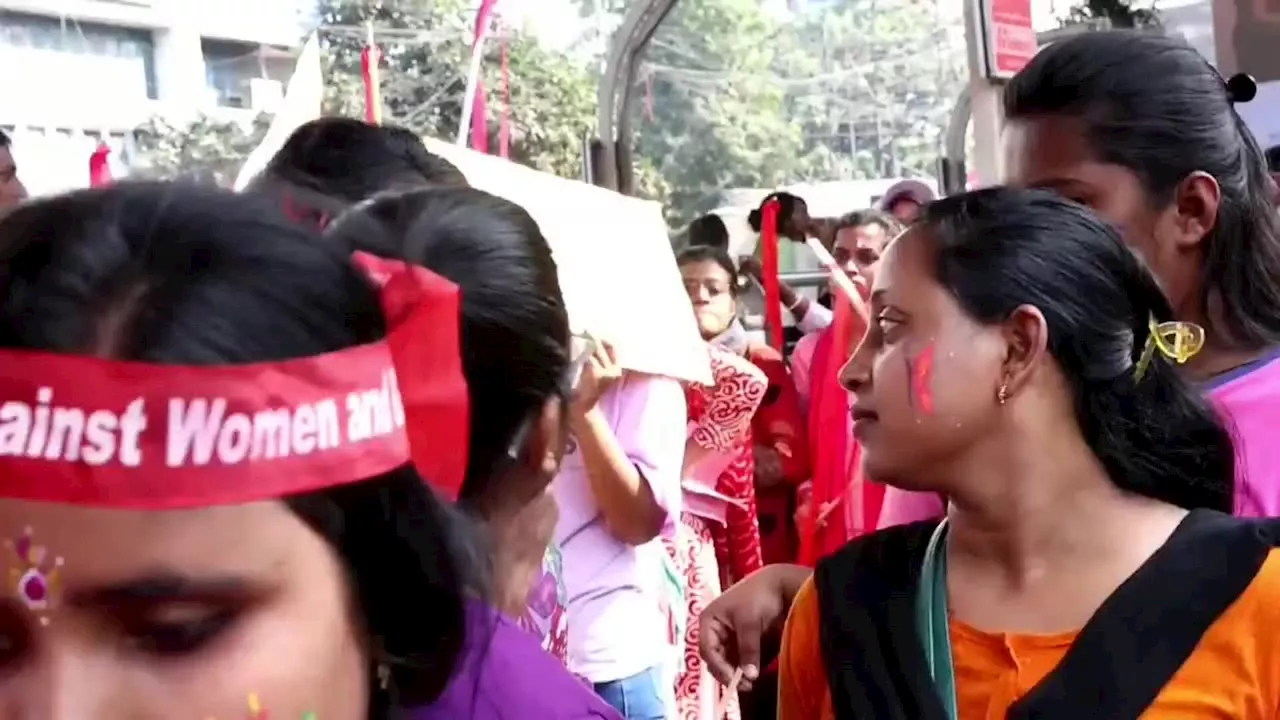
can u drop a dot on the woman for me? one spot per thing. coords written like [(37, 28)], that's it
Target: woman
[(1148, 139), (326, 166), (515, 355), (154, 575), (1022, 364), (718, 538), (780, 459)]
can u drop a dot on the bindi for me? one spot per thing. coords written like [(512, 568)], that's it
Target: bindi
[(33, 574)]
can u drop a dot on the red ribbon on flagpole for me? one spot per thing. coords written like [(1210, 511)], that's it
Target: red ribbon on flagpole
[(370, 59), (769, 268), (504, 122), (100, 166), (479, 124)]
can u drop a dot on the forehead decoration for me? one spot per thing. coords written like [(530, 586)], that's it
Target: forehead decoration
[(105, 433), (33, 574)]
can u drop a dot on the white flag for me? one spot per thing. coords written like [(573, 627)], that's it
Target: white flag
[(301, 104)]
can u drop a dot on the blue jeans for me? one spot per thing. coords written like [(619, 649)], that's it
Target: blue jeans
[(638, 697)]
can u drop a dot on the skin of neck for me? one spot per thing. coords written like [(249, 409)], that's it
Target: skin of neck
[(1221, 352), (1035, 501)]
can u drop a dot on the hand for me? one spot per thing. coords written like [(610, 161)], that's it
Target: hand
[(824, 229), (598, 375), (731, 627), (804, 492), (750, 267), (768, 470)]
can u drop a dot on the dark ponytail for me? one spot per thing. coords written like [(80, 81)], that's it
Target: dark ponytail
[(998, 249)]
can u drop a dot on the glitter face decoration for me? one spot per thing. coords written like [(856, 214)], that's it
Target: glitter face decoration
[(920, 380), (33, 577), (256, 712)]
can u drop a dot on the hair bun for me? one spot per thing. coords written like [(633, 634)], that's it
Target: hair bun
[(1241, 88)]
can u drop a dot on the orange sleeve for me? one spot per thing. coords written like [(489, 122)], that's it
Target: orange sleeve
[(802, 679), (778, 423)]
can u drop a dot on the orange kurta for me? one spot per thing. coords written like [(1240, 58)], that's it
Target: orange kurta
[(1234, 672)]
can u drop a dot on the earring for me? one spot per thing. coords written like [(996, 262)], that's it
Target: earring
[(384, 675), (1003, 393)]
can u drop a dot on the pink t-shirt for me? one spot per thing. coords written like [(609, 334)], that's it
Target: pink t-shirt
[(617, 624), (1249, 399)]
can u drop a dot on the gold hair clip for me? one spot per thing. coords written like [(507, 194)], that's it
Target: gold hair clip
[(1176, 340)]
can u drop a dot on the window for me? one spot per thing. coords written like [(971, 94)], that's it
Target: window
[(228, 68), (131, 52)]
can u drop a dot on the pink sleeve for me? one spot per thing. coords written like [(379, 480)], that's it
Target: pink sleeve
[(651, 427), (902, 507)]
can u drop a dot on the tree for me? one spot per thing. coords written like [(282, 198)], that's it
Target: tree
[(695, 125), (1116, 13), (202, 149), (426, 48), (880, 80), (741, 98)]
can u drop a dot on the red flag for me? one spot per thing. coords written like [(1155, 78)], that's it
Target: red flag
[(370, 59), (100, 166), (769, 269), (504, 123), (479, 127)]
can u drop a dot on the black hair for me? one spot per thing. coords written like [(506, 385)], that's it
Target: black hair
[(4, 139), (1273, 159), (787, 204), (709, 230), (707, 253), (514, 328), (1152, 104), (997, 249), (189, 275), (331, 163), (863, 218)]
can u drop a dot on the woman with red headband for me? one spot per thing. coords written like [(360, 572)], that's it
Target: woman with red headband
[(212, 502)]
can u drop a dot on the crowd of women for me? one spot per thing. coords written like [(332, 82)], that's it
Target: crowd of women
[(327, 448)]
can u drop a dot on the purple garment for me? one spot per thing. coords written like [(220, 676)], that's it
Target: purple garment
[(618, 626), (506, 675)]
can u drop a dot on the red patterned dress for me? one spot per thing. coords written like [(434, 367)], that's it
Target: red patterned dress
[(718, 539)]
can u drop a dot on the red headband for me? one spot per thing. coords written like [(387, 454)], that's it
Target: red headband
[(88, 431)]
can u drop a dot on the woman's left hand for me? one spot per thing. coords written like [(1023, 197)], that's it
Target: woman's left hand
[(598, 375)]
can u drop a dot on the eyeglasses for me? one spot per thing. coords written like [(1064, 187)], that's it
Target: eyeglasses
[(581, 347)]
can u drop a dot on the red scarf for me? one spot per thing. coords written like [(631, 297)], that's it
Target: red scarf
[(833, 478)]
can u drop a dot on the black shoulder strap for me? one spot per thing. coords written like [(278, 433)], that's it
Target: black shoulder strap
[(1146, 630), (875, 662)]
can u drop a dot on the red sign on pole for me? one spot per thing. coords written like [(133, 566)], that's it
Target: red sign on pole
[(1008, 36)]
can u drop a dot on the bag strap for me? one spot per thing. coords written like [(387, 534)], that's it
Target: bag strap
[(1143, 633), (870, 641), (933, 620)]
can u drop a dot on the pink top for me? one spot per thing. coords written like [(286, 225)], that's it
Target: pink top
[(617, 627), (1249, 397)]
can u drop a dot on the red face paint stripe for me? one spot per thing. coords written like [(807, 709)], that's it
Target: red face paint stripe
[(922, 380)]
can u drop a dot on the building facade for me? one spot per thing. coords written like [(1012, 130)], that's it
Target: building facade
[(77, 72)]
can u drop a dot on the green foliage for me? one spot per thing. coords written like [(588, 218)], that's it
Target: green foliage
[(552, 96), (1117, 13), (741, 98), (203, 149)]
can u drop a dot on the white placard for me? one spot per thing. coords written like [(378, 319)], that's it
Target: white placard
[(617, 271)]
